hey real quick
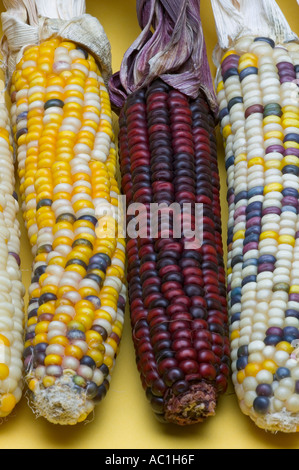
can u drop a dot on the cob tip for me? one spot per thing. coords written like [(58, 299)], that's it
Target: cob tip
[(193, 406)]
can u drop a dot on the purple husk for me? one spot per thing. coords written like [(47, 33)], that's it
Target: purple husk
[(171, 47)]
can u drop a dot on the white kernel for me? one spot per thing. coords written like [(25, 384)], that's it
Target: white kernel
[(295, 373), (280, 357), (256, 357), (292, 404), (256, 346), (249, 383), (287, 382), (277, 404), (291, 363), (249, 398), (282, 393), (264, 376)]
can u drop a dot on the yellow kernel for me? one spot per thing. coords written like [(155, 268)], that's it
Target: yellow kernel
[(273, 164), (227, 54), (235, 334), (226, 131), (48, 381), (271, 119), (290, 123), (33, 384), (61, 340), (41, 327), (108, 361), (255, 161), (269, 365), (85, 320), (290, 160), (220, 86), (112, 343), (73, 350), (294, 289), (53, 359), (252, 369), (274, 135), (287, 239), (8, 402), (4, 371), (32, 321), (93, 338), (3, 340), (96, 355), (82, 417), (273, 187), (40, 338), (269, 234), (104, 315), (241, 376), (285, 346), (240, 234)]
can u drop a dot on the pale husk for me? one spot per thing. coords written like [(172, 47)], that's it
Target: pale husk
[(28, 23)]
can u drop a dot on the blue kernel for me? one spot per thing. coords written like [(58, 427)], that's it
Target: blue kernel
[(291, 330), (272, 340), (257, 191), (224, 112), (242, 362), (248, 71), (254, 237), (256, 205), (229, 73), (289, 209), (254, 229), (264, 39), (292, 137), (243, 350), (291, 170), (233, 101), (229, 162), (290, 338), (235, 317), (261, 404), (282, 373), (236, 299), (267, 259), (241, 195), (236, 260), (290, 192), (249, 262), (248, 279)]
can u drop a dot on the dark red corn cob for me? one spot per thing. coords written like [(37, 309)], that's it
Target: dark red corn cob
[(177, 294)]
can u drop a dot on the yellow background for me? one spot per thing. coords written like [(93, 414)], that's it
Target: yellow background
[(124, 420)]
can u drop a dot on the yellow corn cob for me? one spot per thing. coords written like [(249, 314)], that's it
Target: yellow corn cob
[(11, 288), (62, 124)]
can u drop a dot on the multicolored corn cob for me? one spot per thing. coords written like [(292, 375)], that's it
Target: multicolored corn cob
[(257, 90), (177, 294), (66, 154), (12, 290)]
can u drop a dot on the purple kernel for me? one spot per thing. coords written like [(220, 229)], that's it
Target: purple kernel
[(264, 390)]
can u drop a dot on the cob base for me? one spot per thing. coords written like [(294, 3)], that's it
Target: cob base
[(60, 404), (192, 407), (282, 421)]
